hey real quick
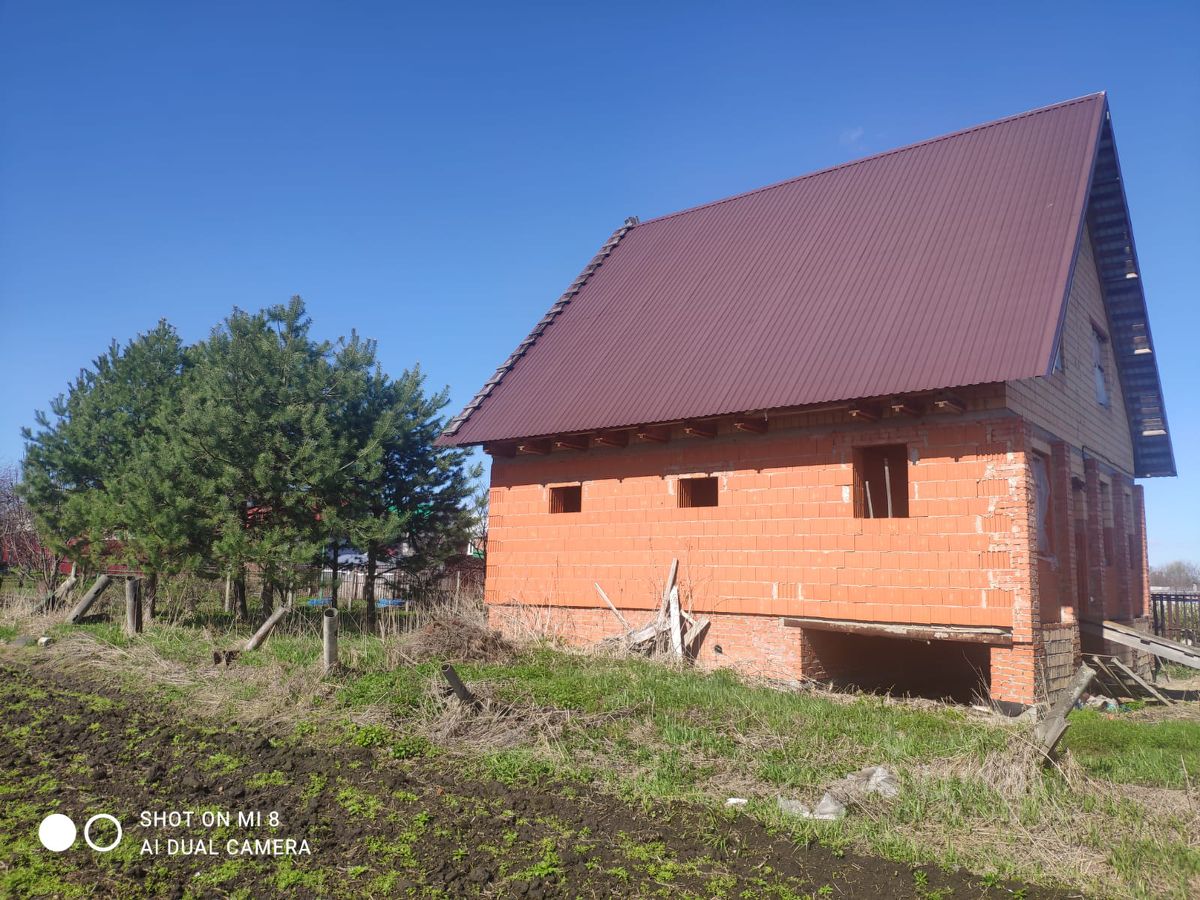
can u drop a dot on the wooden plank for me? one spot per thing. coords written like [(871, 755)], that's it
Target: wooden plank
[(1141, 682), (616, 612), (968, 633), (1160, 647), (85, 603), (1114, 678), (676, 624), (1105, 679), (1050, 731), (694, 633)]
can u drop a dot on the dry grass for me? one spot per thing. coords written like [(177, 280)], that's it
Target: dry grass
[(667, 734), (452, 638)]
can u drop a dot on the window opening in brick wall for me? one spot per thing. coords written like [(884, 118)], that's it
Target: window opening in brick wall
[(1106, 520), (1098, 368), (566, 499), (1042, 499), (881, 482), (697, 492)]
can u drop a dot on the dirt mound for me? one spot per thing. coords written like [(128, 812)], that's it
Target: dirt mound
[(457, 639)]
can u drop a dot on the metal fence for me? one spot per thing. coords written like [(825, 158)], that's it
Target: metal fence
[(1177, 615)]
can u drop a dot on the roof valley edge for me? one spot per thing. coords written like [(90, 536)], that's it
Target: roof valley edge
[(939, 265)]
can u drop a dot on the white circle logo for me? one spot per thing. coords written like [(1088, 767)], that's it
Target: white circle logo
[(88, 837), (57, 832)]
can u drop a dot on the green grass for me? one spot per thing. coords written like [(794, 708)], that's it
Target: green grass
[(1164, 753), (653, 734)]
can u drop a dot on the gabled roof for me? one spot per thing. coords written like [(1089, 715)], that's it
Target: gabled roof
[(943, 264)]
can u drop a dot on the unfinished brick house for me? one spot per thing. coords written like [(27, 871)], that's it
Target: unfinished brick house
[(888, 417)]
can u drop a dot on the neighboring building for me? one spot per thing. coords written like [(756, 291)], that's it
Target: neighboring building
[(888, 417)]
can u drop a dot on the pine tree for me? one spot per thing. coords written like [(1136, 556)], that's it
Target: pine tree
[(254, 426), (92, 462)]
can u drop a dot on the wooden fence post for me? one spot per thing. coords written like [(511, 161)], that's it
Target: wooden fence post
[(88, 599), (133, 606)]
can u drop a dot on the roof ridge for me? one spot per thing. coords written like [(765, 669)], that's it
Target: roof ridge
[(885, 153), (566, 297)]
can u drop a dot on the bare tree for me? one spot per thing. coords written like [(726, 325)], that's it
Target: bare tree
[(20, 549), (1179, 575)]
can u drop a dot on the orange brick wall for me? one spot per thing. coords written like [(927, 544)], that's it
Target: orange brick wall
[(783, 541)]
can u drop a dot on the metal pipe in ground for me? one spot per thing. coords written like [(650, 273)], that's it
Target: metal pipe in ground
[(329, 631), (261, 634)]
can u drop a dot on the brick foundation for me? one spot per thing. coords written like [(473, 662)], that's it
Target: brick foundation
[(788, 538)]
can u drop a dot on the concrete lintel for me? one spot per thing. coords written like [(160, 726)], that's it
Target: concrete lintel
[(969, 633)]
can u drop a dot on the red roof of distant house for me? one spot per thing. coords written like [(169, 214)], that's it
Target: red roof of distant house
[(942, 264)]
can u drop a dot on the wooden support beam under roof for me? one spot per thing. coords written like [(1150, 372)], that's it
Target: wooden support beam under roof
[(754, 425), (612, 438), (654, 434), (864, 412), (538, 447), (905, 406), (700, 429), (573, 442), (967, 633), (948, 403)]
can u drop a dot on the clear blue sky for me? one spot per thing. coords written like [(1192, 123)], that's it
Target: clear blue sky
[(436, 176)]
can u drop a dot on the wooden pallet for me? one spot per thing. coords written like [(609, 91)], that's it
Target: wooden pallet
[(1118, 680)]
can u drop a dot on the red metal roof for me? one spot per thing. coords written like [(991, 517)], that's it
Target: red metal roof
[(942, 264)]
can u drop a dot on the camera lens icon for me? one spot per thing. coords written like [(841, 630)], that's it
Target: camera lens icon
[(57, 833)]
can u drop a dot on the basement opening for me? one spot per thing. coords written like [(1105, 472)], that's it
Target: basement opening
[(566, 499), (881, 482), (697, 492), (958, 671)]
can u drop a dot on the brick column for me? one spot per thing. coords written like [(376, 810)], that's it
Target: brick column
[(1140, 566), (1121, 573), (1095, 542), (1064, 543), (1014, 669)]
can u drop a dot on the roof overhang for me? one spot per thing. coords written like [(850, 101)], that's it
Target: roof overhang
[(1129, 322)]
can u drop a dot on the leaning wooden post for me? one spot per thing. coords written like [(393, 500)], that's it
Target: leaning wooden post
[(58, 594), (88, 599), (676, 624), (460, 689), (1050, 731), (329, 629), (261, 634), (133, 606)]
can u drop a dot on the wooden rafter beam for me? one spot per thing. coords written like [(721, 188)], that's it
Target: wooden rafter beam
[(537, 448), (864, 412), (574, 442), (612, 439), (947, 403), (654, 435), (700, 429), (756, 425)]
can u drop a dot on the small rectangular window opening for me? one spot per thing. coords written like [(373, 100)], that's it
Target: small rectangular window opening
[(1098, 369), (1045, 512), (1106, 515), (566, 499), (881, 482), (697, 492)]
